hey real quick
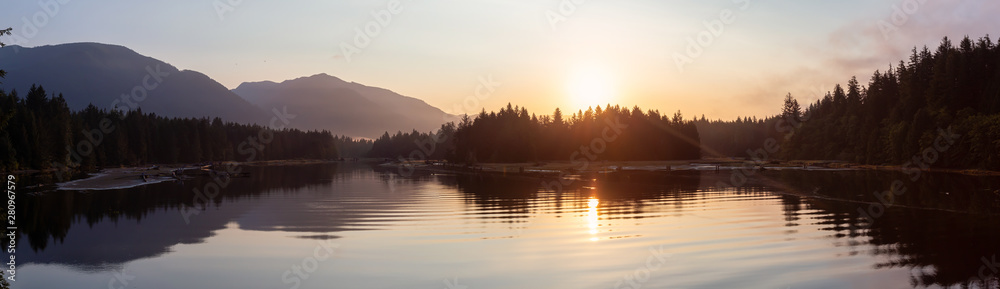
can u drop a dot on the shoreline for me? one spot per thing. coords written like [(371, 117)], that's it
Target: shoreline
[(554, 169), (126, 177), (111, 179), (130, 177)]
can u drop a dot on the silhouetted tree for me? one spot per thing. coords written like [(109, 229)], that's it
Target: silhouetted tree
[(39, 131), (2, 33), (904, 110)]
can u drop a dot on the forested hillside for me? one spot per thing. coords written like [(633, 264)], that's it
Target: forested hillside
[(514, 135), (39, 132), (939, 108), (107, 76), (733, 138)]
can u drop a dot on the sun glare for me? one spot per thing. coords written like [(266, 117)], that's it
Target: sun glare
[(590, 86), (593, 218)]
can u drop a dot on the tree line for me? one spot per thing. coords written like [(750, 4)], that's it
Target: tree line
[(349, 147), (734, 138), (936, 109), (39, 131), (514, 135), (939, 109), (416, 145)]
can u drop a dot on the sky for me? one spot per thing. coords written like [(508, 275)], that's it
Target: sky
[(720, 58)]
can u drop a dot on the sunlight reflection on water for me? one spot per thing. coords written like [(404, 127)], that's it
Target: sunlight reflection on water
[(495, 232)]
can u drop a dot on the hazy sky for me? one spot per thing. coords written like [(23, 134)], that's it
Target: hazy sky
[(543, 53)]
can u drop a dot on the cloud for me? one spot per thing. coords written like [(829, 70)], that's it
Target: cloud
[(861, 47), (876, 43)]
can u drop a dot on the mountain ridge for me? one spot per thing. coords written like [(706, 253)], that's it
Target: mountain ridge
[(109, 76), (372, 110)]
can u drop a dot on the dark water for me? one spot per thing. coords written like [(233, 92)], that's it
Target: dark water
[(354, 226)]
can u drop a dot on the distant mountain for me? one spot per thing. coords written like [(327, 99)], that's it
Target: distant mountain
[(325, 102), (111, 75), (93, 73)]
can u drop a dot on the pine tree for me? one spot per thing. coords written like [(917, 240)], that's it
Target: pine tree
[(2, 33), (791, 109)]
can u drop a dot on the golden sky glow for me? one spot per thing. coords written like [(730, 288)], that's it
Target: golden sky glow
[(742, 56)]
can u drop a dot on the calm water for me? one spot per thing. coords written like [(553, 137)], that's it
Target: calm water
[(782, 229)]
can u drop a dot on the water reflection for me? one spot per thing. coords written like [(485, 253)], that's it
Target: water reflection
[(939, 228), (784, 224), (939, 231), (593, 217), (101, 230)]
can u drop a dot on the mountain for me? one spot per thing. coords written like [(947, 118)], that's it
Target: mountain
[(325, 102), (111, 75), (100, 74)]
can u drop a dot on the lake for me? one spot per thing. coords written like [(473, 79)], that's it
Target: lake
[(352, 225)]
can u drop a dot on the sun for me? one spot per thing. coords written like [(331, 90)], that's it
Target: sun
[(590, 86)]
